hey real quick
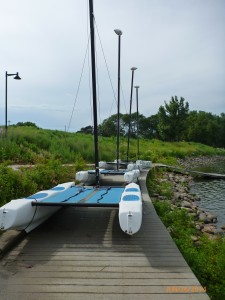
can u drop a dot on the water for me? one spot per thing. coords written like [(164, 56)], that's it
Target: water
[(211, 192)]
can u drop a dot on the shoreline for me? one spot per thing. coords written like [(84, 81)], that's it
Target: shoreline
[(205, 222), (200, 161)]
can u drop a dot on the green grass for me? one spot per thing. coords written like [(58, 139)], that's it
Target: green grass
[(27, 181), (32, 145)]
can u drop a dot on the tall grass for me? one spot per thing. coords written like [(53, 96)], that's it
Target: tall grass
[(32, 145)]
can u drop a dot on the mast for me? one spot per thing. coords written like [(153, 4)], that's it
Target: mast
[(119, 33), (129, 128), (94, 94), (138, 146)]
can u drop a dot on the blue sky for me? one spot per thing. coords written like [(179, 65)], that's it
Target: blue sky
[(178, 47)]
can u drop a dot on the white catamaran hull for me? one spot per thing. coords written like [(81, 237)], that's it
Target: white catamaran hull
[(144, 164), (131, 176), (21, 215), (130, 209), (107, 166), (85, 177)]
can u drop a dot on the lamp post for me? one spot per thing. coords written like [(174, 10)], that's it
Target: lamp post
[(138, 148), (17, 77), (131, 93), (119, 33)]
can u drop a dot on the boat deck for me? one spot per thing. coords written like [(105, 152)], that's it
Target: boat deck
[(81, 196), (81, 253)]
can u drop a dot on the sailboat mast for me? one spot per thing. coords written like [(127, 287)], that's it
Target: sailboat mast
[(94, 94), (129, 128), (119, 33)]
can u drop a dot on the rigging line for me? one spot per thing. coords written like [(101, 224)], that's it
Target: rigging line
[(124, 100), (78, 85), (106, 192), (98, 93), (105, 61), (79, 192), (32, 217), (114, 99)]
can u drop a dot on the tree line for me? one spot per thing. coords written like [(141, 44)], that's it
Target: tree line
[(174, 122)]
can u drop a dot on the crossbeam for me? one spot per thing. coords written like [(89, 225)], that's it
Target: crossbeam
[(63, 204)]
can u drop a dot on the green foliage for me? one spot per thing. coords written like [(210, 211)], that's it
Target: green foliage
[(158, 186), (207, 259), (26, 181), (147, 126), (172, 119), (206, 128), (31, 145), (87, 130), (27, 124)]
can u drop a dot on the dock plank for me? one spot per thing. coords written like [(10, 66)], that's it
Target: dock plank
[(81, 253)]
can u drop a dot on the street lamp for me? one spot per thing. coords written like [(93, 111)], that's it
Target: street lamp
[(17, 77), (138, 148), (131, 93), (119, 33)]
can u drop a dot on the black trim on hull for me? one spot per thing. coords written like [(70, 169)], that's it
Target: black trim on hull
[(62, 204)]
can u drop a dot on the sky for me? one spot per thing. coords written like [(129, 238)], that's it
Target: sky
[(178, 47)]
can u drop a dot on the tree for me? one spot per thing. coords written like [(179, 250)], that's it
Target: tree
[(29, 124), (172, 119), (148, 127), (109, 126), (86, 130), (206, 128)]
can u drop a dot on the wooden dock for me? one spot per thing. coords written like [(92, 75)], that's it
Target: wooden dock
[(83, 254)]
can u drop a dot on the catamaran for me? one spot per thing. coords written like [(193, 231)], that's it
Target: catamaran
[(29, 212)]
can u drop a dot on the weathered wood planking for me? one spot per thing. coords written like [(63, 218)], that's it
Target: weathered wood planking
[(83, 254)]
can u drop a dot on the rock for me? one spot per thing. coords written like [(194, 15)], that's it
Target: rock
[(199, 226), (198, 243), (194, 238), (155, 195), (202, 217), (212, 218), (207, 221), (211, 229), (189, 210), (223, 227), (177, 196), (186, 204), (162, 197), (193, 214)]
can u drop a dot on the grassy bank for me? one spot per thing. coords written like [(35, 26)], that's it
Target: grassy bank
[(27, 181), (32, 145), (207, 257)]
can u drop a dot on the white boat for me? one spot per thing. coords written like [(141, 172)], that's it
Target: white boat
[(85, 177), (131, 176), (130, 209), (107, 165), (21, 215), (144, 164)]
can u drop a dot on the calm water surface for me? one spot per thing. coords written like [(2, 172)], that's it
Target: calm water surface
[(211, 192)]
